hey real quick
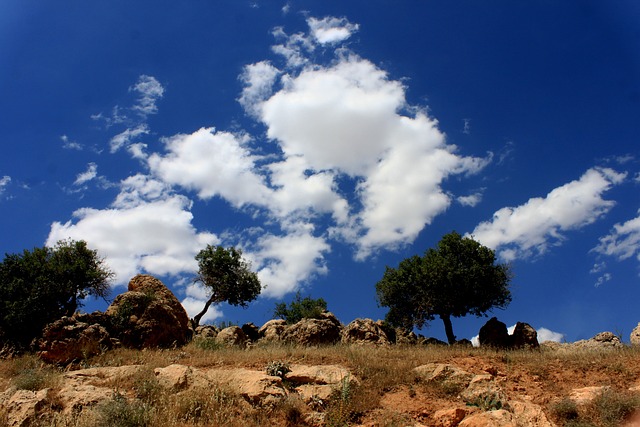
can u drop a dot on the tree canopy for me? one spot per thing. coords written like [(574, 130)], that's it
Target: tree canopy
[(227, 277), (457, 278), (40, 286), (300, 308)]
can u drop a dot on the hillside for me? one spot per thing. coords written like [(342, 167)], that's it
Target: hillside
[(205, 384)]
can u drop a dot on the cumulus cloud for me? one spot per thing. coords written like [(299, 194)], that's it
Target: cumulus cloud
[(286, 261), (529, 229), (197, 296), (146, 229), (258, 80), (212, 164), (623, 241), (470, 200), (331, 30)]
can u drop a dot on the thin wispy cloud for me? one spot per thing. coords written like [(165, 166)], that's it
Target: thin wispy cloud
[(530, 229)]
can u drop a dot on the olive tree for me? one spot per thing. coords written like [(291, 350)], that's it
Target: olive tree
[(457, 278), (40, 286), (300, 308), (227, 277)]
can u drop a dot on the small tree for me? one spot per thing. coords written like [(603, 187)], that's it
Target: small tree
[(299, 309), (40, 286), (460, 277), (227, 277)]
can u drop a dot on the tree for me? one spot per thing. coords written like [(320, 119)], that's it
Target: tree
[(40, 286), (227, 277), (299, 309), (457, 278)]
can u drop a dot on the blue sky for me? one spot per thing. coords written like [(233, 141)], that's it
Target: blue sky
[(329, 140)]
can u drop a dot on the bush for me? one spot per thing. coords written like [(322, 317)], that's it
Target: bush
[(299, 309), (120, 412), (277, 368)]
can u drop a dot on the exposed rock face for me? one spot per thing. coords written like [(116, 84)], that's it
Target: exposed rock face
[(232, 336), (634, 338), (405, 336), (75, 338), (603, 340), (326, 330), (494, 334), (524, 336), (365, 331), (149, 315), (24, 407), (273, 330)]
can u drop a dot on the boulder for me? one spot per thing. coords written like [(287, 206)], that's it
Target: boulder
[(524, 336), (251, 331), (75, 338), (364, 331), (149, 315), (601, 341), (24, 407), (206, 331), (448, 417), (405, 336), (232, 336), (499, 418), (325, 330), (273, 330), (494, 334), (634, 338), (444, 373), (256, 387)]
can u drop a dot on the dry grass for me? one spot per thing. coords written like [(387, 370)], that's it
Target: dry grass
[(383, 372)]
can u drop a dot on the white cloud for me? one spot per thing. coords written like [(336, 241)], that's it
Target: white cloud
[(194, 306), (68, 144), (88, 175), (149, 91), (212, 164), (4, 182), (529, 229), (603, 279), (145, 230), (285, 262), (331, 30), (258, 80), (127, 136), (623, 241), (471, 200)]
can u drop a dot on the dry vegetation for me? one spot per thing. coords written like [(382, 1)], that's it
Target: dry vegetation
[(389, 393)]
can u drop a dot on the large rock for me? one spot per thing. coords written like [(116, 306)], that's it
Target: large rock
[(494, 334), (325, 330), (601, 341), (24, 407), (251, 331), (75, 338), (524, 336), (365, 331), (149, 315), (273, 330), (634, 338), (499, 418), (232, 336)]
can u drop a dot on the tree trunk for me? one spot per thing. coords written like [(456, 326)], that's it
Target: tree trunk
[(196, 319), (448, 328)]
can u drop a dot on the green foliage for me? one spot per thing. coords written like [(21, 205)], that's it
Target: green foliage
[(227, 276), (457, 278), (300, 308), (40, 286), (277, 368), (207, 343), (120, 412)]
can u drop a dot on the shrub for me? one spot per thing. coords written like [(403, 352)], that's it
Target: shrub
[(120, 412), (277, 368), (300, 308)]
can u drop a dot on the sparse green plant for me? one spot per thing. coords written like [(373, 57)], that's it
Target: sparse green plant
[(215, 406), (611, 407), (278, 368), (207, 343), (565, 410), (121, 412), (30, 374)]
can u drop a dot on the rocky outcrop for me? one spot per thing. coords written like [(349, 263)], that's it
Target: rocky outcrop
[(75, 338), (603, 340), (325, 330), (273, 330), (634, 338), (365, 331), (206, 331), (524, 336), (149, 315), (232, 336), (494, 334), (251, 331)]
